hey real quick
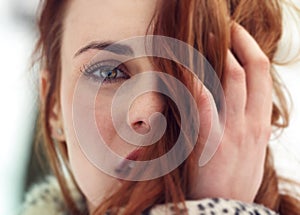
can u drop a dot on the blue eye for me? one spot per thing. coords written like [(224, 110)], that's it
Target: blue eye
[(106, 73)]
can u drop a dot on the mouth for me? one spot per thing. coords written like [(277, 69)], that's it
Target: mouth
[(134, 154), (124, 168)]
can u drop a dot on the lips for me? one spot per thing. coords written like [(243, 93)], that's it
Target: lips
[(134, 155), (128, 163)]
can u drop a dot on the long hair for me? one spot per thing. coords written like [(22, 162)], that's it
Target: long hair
[(191, 21)]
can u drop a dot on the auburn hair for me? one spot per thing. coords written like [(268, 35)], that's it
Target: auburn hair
[(191, 21)]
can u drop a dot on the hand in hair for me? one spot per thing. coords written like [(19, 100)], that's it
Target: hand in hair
[(236, 169)]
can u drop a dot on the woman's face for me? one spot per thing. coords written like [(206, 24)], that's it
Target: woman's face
[(102, 21)]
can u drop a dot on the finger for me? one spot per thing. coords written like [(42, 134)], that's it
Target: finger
[(210, 127), (214, 133), (234, 85), (257, 69), (207, 108)]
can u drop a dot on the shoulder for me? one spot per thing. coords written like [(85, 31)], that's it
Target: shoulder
[(46, 198), (211, 206)]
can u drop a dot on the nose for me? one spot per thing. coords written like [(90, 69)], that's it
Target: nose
[(144, 110)]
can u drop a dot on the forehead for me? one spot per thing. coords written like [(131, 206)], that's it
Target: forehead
[(104, 20)]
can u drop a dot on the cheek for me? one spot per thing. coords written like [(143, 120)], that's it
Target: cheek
[(106, 127), (103, 119), (93, 183)]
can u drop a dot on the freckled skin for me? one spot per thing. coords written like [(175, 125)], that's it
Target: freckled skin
[(87, 21)]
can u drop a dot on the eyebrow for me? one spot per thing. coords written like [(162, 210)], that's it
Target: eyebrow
[(108, 46)]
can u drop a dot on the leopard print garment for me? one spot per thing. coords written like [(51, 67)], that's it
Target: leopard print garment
[(46, 199)]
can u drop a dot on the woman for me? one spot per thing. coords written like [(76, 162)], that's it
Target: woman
[(236, 176)]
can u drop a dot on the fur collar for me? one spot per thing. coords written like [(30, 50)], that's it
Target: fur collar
[(46, 199)]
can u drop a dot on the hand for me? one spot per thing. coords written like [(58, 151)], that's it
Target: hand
[(236, 169)]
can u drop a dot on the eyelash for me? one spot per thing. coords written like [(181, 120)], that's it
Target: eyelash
[(105, 66)]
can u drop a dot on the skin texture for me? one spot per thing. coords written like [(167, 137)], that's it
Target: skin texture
[(128, 19), (238, 162)]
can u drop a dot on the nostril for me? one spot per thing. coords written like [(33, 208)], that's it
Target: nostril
[(140, 123), (141, 127)]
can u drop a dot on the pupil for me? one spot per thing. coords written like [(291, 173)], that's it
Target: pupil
[(112, 73)]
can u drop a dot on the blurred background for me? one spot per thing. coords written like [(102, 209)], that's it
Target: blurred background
[(19, 88), (18, 96)]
